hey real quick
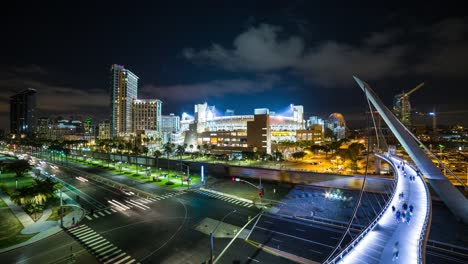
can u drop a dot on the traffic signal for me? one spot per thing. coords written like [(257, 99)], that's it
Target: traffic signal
[(233, 179), (261, 192)]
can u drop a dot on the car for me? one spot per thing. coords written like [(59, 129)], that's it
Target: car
[(127, 192)]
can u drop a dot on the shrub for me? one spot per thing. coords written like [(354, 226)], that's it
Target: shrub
[(169, 183)]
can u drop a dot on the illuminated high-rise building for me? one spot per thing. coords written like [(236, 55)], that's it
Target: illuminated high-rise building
[(124, 89), (146, 115)]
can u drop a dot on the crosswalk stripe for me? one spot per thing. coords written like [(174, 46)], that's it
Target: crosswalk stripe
[(131, 261), (107, 212), (101, 242), (106, 248), (85, 234), (95, 215), (113, 210), (122, 260), (78, 234), (78, 231), (101, 213), (110, 253), (89, 236), (80, 228), (114, 258), (89, 218), (91, 241)]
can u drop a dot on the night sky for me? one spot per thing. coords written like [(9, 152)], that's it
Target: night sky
[(236, 54)]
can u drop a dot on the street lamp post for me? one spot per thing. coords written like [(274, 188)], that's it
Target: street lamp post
[(211, 235)]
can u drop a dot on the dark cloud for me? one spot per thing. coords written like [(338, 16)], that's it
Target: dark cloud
[(329, 64), (446, 50), (258, 49), (440, 49), (29, 69), (210, 89), (55, 98)]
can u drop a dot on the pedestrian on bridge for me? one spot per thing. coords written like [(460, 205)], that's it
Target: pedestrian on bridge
[(395, 251)]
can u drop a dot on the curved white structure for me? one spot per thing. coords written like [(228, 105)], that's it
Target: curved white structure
[(377, 243), (452, 197)]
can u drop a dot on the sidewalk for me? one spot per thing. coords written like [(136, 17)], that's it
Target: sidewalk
[(43, 228), (22, 216)]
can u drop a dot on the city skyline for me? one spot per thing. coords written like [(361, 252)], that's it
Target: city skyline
[(299, 53)]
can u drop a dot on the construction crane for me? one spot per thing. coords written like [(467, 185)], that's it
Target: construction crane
[(402, 105)]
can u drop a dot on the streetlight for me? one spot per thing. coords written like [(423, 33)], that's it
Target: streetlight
[(211, 235)]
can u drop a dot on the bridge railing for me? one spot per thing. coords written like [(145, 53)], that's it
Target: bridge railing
[(372, 225), (427, 220)]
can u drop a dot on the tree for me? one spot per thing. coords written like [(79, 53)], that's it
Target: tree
[(298, 155), (19, 167), (315, 148), (191, 147), (157, 154), (168, 148), (180, 151), (326, 149)]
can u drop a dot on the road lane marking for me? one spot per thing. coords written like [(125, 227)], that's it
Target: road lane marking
[(113, 210), (131, 261), (89, 218), (95, 216), (277, 240), (253, 259), (107, 211), (315, 251), (298, 229), (102, 214)]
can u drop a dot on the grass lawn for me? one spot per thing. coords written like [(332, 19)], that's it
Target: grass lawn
[(8, 181), (130, 172), (10, 229), (2, 203), (54, 216)]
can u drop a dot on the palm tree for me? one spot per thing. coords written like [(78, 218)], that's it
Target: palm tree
[(19, 167), (157, 154), (180, 151), (168, 148)]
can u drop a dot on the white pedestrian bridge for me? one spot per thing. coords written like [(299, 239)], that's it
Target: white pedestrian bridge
[(386, 237)]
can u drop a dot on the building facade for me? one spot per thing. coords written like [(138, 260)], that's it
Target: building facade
[(23, 112), (146, 115), (170, 128), (43, 128), (104, 130), (124, 89)]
